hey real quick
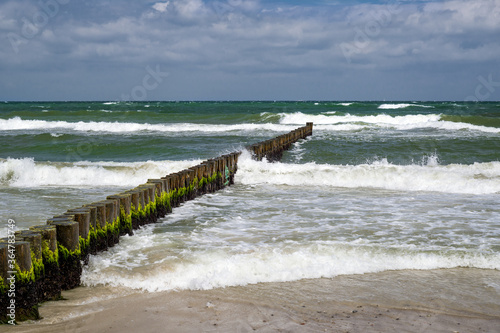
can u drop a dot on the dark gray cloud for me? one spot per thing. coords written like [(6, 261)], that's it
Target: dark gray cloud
[(249, 49)]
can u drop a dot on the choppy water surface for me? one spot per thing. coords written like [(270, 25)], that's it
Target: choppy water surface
[(378, 187)]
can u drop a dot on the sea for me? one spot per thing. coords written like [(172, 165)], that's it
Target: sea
[(379, 187)]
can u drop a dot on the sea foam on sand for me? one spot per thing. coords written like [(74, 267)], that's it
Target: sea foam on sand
[(456, 300)]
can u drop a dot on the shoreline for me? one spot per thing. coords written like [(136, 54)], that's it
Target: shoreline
[(447, 300)]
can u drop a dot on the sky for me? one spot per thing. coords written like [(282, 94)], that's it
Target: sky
[(112, 50)]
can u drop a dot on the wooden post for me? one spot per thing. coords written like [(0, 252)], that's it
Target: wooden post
[(35, 241), (69, 253), (23, 259), (190, 184), (111, 222), (174, 187), (115, 228), (215, 175), (98, 225), (68, 233), (93, 236), (159, 189), (184, 185), (209, 170), (199, 178), (167, 194), (26, 295), (309, 129), (124, 203), (82, 216), (50, 286), (142, 194), (148, 210), (34, 238), (135, 208), (203, 176), (150, 202)]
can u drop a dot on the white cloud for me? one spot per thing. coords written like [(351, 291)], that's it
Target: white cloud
[(190, 8), (456, 16), (161, 6), (253, 39)]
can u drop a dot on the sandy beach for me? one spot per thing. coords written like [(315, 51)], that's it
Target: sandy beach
[(381, 302)]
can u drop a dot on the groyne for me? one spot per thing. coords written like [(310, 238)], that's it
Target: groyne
[(36, 265)]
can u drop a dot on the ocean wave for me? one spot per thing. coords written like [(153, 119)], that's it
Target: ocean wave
[(218, 268), (327, 121), (379, 119), (402, 106), (17, 123), (477, 178), (26, 172), (333, 122)]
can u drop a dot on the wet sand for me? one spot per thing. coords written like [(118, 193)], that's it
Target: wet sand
[(454, 300)]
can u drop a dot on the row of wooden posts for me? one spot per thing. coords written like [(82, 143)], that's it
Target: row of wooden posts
[(37, 264)]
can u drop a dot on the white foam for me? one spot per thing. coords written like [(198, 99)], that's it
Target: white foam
[(26, 172), (328, 121), (394, 106), (478, 178), (221, 267), (224, 248), (379, 119), (401, 106), (332, 122), (17, 123)]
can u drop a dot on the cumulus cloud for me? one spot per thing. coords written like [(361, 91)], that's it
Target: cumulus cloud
[(161, 6), (222, 42)]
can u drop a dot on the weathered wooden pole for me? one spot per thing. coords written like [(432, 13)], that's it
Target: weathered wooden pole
[(82, 216), (49, 286), (123, 204), (69, 254), (98, 231)]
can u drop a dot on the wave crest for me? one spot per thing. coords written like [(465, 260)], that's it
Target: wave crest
[(26, 172), (401, 106), (17, 123), (295, 262), (477, 178), (348, 122)]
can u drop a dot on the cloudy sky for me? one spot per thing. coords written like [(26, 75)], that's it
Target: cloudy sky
[(249, 50)]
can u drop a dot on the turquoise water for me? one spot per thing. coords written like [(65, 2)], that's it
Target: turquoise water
[(111, 131), (380, 186)]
